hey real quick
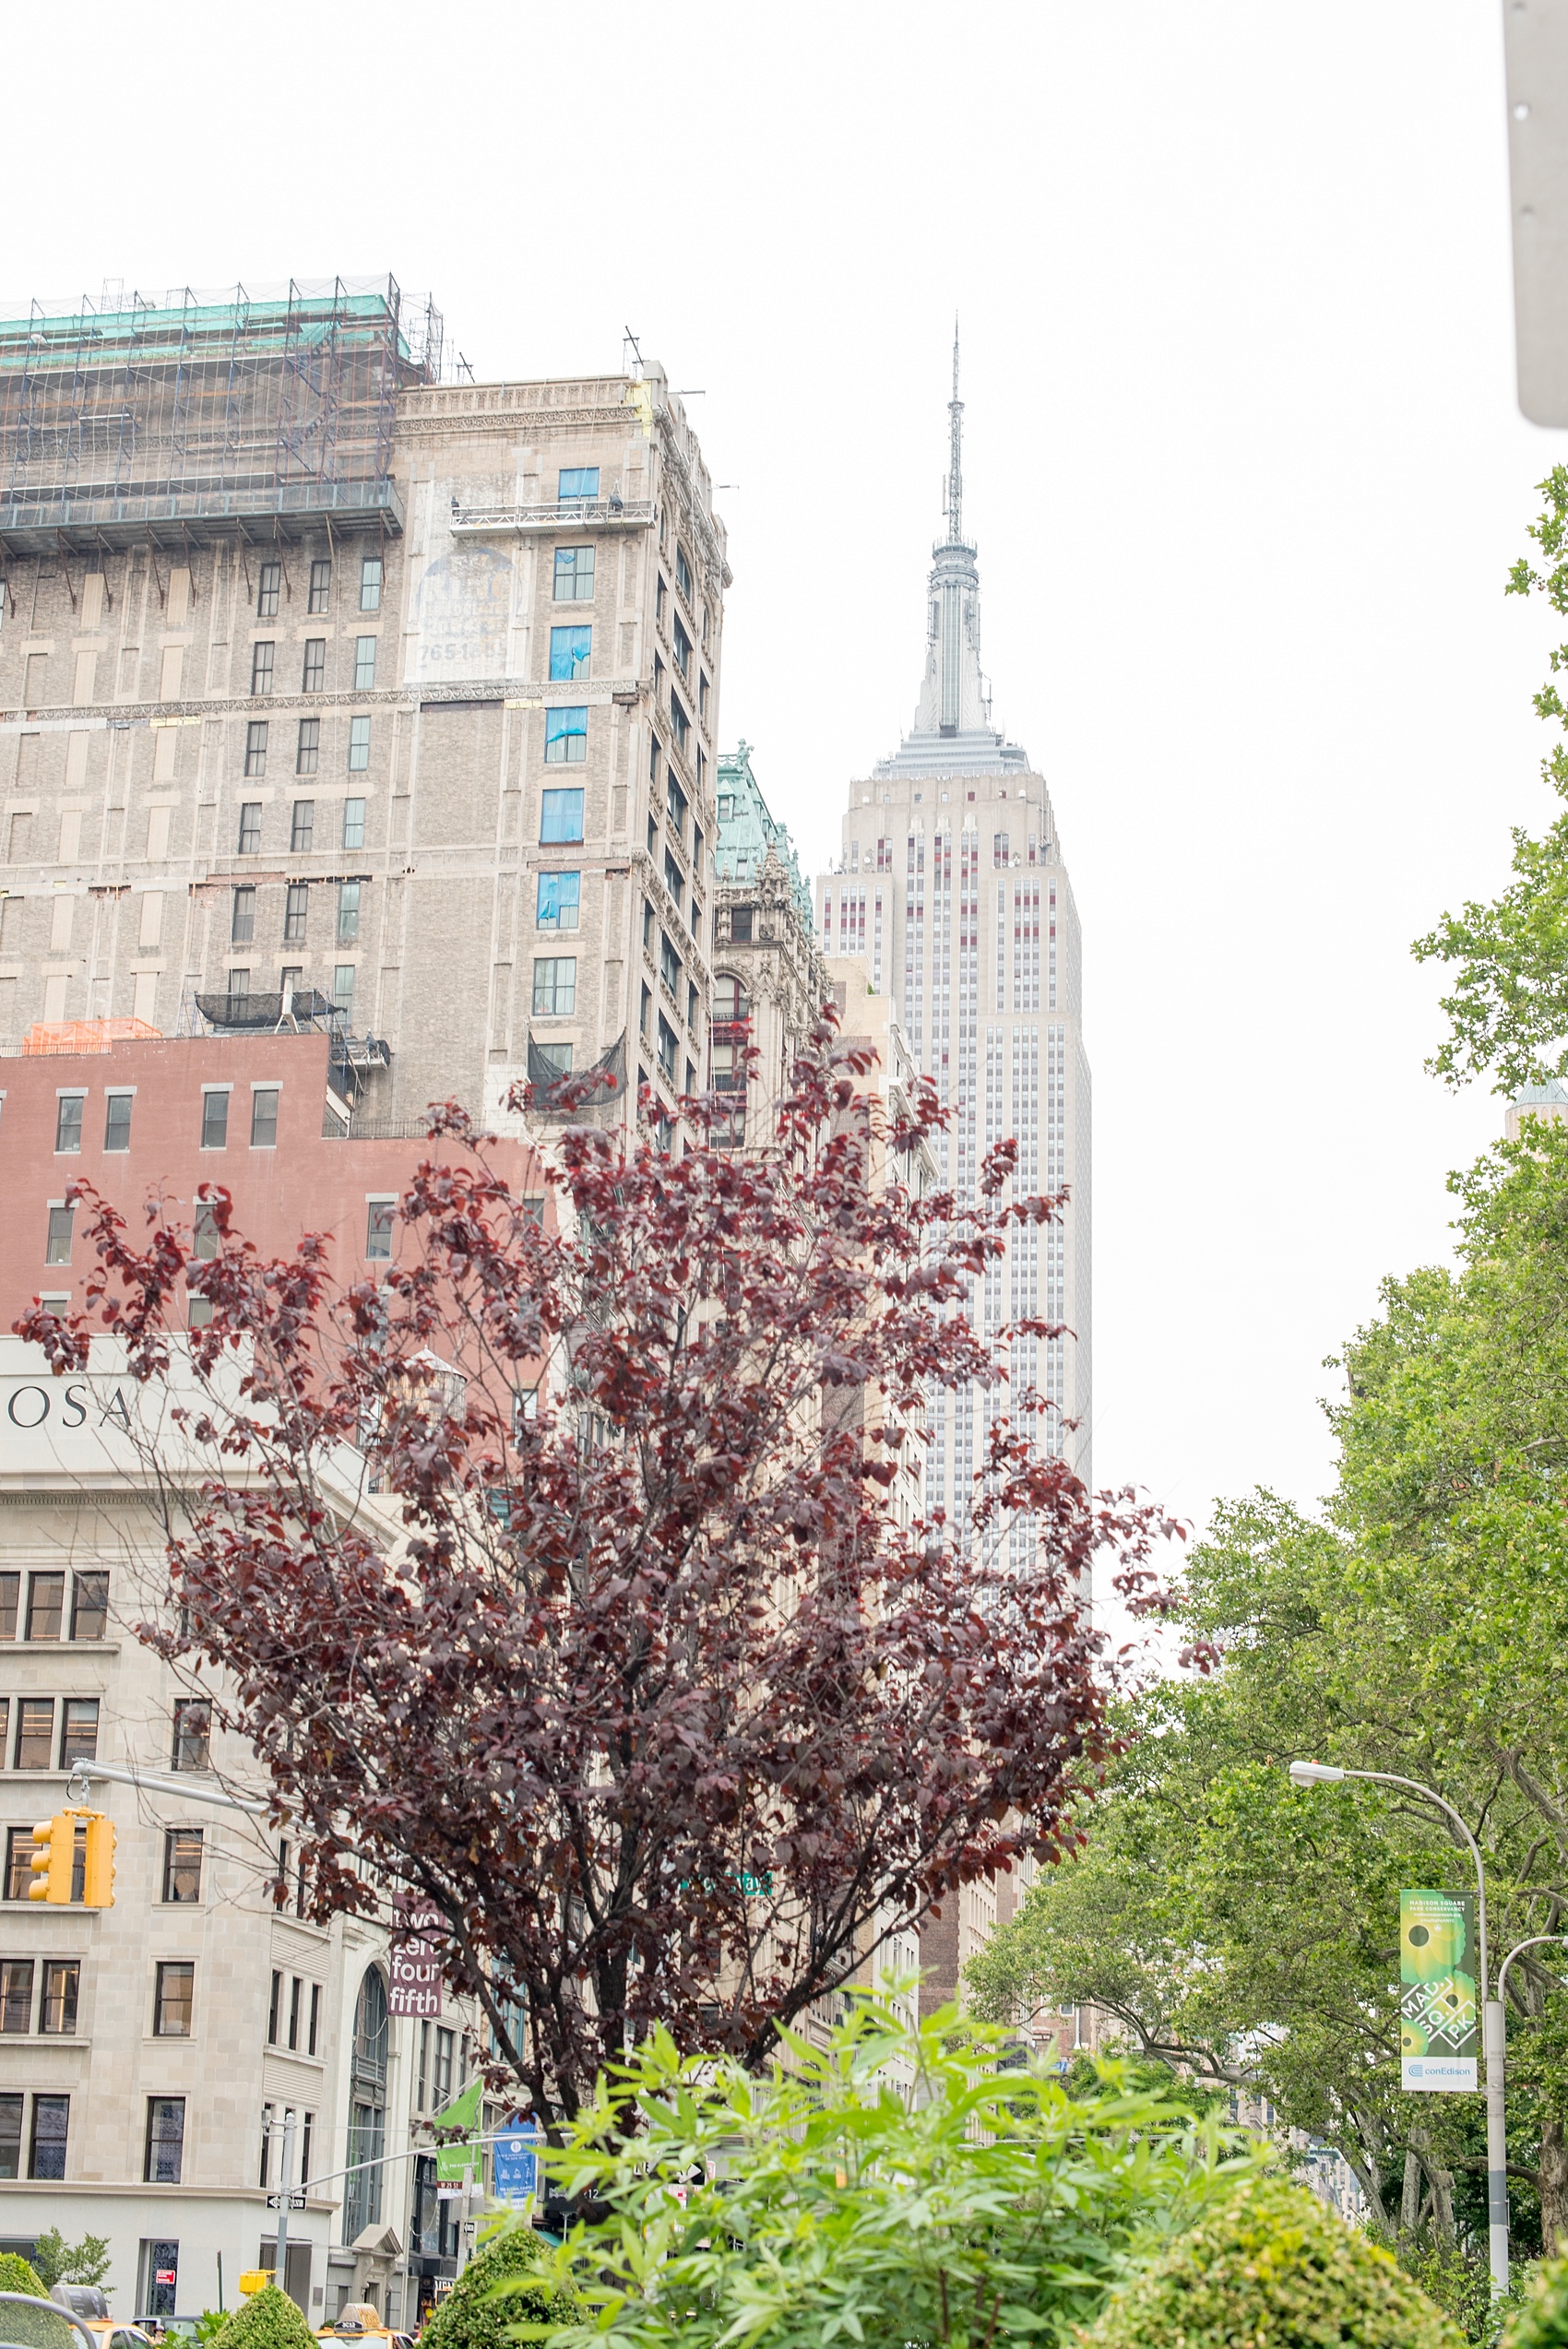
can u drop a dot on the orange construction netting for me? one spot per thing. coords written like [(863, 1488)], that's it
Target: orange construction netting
[(86, 1034)]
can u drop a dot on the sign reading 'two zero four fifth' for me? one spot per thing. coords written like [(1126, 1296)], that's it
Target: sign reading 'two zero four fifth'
[(1438, 2028)]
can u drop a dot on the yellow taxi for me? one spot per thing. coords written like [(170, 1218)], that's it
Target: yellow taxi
[(359, 2323), (90, 2309)]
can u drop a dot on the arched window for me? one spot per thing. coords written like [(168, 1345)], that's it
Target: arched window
[(731, 1001), (367, 2106)]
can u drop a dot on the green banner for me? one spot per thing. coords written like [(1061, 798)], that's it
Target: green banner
[(1439, 2034), (452, 2160)]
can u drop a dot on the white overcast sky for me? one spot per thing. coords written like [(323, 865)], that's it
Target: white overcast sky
[(1243, 463)]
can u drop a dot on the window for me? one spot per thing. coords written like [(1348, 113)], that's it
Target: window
[(159, 2282), (267, 593), (174, 1990), (35, 1733), (288, 978), (370, 583), (274, 2008), (555, 987), (378, 1227), (726, 806), (348, 912), (367, 2107), (250, 828), (560, 817), (354, 821), (577, 480), (696, 851), (117, 1121), (364, 663), (192, 1733), (314, 677), (560, 898), (19, 1863), (203, 1232), (255, 746), (10, 2136), (648, 927), (312, 2039), (296, 910), (301, 827), (654, 755), (741, 924), (679, 721), (57, 2007), (238, 983), (642, 1016), (10, 1600), (683, 650), (16, 2002), (667, 1048), (215, 1120), (660, 597), (359, 745), (343, 989), (557, 1058), (46, 1604), (309, 750), (702, 693), (569, 650), (264, 1118), (57, 1246), (261, 667), (565, 736), (182, 1864), (670, 963), (89, 1606), (68, 1110), (296, 2000), (674, 880), (242, 919), (78, 1734), (675, 801), (320, 585), (574, 574), (445, 2043), (165, 2140), (51, 2118), (682, 571)]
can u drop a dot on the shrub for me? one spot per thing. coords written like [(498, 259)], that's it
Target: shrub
[(474, 2315), (897, 2185), (18, 2274), (1542, 2321), (268, 2321), (57, 2261), (1272, 2264)]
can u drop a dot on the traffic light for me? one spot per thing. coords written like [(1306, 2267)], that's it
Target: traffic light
[(97, 1877), (53, 1852)]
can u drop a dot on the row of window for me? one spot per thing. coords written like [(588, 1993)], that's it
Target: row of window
[(379, 1213), (301, 827), (50, 2009), (312, 678), (293, 2013), (319, 592), (34, 1746), (45, 1618), (44, 2140), (119, 1105), (291, 977), (308, 748), (296, 915)]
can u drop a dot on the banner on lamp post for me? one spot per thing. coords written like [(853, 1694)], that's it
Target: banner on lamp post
[(461, 2163), (515, 2161), (1439, 2020)]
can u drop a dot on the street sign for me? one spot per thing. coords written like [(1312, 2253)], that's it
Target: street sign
[(294, 2201)]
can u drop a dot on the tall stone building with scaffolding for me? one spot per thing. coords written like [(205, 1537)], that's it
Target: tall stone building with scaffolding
[(953, 883), (338, 694)]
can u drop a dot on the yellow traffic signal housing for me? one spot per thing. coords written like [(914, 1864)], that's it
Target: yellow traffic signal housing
[(54, 1853), (97, 1877)]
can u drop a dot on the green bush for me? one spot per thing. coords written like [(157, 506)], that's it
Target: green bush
[(475, 2314), (1542, 2321), (1273, 2265), (57, 2261), (897, 2185), (268, 2321), (18, 2274)]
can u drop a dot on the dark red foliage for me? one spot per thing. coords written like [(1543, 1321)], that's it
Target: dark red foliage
[(630, 1652)]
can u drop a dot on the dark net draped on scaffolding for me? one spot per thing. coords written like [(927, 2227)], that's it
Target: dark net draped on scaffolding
[(190, 416)]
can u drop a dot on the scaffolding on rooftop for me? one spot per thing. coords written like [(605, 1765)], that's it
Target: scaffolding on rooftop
[(192, 415)]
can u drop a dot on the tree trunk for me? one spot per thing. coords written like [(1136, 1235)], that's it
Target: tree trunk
[(1410, 2200), (1553, 2188)]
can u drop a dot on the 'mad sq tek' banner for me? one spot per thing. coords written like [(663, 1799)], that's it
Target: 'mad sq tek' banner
[(1439, 2034)]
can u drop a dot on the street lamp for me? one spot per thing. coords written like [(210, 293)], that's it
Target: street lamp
[(1493, 2037)]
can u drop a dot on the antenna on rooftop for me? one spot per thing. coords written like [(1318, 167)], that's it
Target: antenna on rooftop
[(956, 462), (629, 337)]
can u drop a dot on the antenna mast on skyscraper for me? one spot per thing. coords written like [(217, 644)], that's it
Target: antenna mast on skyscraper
[(955, 461)]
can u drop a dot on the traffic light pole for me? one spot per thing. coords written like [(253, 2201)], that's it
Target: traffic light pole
[(281, 2267), (84, 1773)]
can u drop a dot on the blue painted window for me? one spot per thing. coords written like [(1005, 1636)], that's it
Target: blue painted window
[(578, 480), (565, 736), (561, 815), (569, 649), (560, 895)]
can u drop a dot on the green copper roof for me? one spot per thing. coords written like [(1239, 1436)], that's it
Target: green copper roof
[(747, 830)]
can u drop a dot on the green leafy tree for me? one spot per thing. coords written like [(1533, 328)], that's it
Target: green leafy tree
[(891, 2186), (1541, 2323), (18, 2274), (1508, 1009), (1273, 2266), (58, 2261), (500, 2287)]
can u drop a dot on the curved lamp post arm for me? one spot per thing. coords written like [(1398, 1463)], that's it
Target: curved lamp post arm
[(1325, 1773), (1518, 1949)]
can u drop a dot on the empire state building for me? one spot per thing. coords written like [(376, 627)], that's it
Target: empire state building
[(953, 887)]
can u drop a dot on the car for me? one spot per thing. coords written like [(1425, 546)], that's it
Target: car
[(358, 2322), (86, 2303)]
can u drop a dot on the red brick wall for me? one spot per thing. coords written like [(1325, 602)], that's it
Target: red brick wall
[(305, 1183)]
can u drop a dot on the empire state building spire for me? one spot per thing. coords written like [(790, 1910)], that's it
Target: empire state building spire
[(955, 457)]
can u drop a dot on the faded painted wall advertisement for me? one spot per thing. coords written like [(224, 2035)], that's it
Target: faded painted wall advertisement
[(464, 606), (1439, 2037)]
